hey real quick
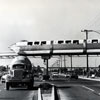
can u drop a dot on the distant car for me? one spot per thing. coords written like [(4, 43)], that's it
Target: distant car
[(55, 75), (3, 78), (93, 76), (67, 75), (46, 77), (62, 75), (74, 75)]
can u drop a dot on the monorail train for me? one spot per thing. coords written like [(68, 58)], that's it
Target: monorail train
[(26, 43), (57, 46)]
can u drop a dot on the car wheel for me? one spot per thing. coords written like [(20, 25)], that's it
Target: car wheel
[(30, 85)]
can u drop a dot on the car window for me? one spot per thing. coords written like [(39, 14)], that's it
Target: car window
[(18, 66)]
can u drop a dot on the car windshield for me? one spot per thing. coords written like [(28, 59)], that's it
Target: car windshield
[(18, 66)]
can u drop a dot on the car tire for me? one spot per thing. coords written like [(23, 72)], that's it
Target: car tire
[(30, 85)]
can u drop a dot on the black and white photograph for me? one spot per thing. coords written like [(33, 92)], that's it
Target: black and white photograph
[(49, 49)]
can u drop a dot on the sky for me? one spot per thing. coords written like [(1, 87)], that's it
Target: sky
[(47, 20)]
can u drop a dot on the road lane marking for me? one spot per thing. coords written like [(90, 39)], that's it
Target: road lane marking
[(95, 92), (88, 88)]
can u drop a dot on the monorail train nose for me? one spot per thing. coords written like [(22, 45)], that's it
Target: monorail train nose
[(15, 48)]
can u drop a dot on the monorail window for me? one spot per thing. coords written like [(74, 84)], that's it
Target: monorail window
[(75, 41), (95, 41), (52, 42), (36, 43), (68, 41), (43, 42), (60, 42), (30, 43)]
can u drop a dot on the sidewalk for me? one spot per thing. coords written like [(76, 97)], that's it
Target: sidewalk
[(89, 78)]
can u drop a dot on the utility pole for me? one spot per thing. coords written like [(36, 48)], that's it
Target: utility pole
[(86, 51), (87, 58), (64, 61), (61, 60), (86, 45), (95, 62), (71, 63), (46, 63)]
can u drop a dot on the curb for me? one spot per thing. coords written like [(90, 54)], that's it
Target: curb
[(90, 79)]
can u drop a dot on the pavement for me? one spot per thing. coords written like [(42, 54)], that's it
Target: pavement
[(90, 78)]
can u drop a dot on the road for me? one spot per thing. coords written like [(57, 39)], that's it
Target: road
[(67, 90), (16, 93), (78, 90)]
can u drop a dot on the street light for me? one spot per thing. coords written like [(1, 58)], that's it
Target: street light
[(86, 46), (87, 60), (95, 31), (95, 62)]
